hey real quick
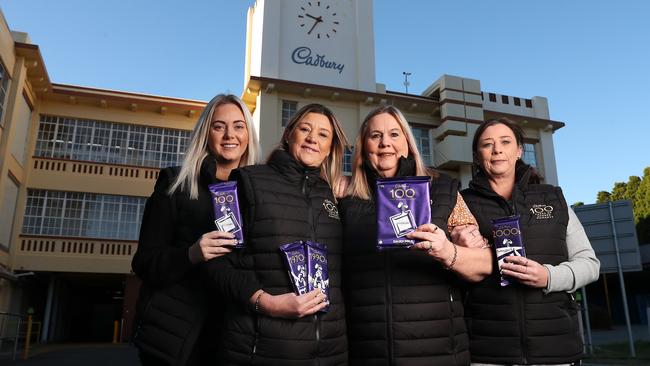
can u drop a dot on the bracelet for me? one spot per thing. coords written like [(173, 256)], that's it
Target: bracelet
[(453, 259), (257, 301)]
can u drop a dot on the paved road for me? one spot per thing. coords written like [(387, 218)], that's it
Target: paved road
[(124, 355), (79, 355)]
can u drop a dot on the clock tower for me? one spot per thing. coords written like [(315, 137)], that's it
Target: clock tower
[(327, 42)]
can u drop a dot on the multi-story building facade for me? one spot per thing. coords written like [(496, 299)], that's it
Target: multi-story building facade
[(77, 163)]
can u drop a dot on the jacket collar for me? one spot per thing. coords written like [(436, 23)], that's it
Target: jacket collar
[(405, 168), (285, 164), (208, 172), (481, 183)]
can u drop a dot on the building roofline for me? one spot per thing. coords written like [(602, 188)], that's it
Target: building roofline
[(412, 101), (116, 95)]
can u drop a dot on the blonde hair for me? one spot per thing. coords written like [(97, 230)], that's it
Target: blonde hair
[(198, 148), (332, 167), (359, 184)]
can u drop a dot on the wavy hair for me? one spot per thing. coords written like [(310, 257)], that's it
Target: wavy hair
[(359, 184), (198, 148)]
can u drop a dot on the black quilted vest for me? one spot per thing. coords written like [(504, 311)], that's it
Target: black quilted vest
[(519, 324), (403, 307), (177, 319), (283, 202)]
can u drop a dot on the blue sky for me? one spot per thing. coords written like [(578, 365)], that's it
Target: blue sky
[(591, 59)]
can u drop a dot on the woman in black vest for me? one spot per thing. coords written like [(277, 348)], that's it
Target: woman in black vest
[(288, 199), (534, 320), (178, 233), (404, 306)]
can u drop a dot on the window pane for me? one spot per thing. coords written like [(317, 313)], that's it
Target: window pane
[(530, 156), (423, 142), (289, 107), (77, 214), (108, 142), (347, 160)]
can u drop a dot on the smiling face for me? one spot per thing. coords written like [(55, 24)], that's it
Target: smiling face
[(384, 144), (228, 136), (498, 151), (311, 141)]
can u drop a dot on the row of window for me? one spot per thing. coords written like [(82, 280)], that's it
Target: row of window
[(109, 142), (506, 100), (80, 214)]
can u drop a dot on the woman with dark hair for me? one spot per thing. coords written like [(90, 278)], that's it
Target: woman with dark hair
[(405, 306), (534, 320), (178, 233), (287, 199)]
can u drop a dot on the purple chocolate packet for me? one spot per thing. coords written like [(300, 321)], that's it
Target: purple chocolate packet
[(507, 241), (403, 204), (317, 270), (226, 210), (295, 258)]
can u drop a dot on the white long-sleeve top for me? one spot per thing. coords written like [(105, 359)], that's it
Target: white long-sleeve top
[(581, 268)]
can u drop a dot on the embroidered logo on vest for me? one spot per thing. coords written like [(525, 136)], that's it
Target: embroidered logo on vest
[(331, 209), (542, 212)]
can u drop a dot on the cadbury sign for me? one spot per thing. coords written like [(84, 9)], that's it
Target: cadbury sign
[(303, 56)]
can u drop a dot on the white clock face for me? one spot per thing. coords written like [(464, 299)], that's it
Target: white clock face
[(318, 19)]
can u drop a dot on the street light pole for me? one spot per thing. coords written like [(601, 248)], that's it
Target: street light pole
[(406, 80)]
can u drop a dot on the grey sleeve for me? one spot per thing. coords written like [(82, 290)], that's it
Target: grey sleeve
[(581, 268)]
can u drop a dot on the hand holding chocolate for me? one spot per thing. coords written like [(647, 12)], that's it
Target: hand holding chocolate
[(403, 204), (507, 241), (226, 210), (307, 266)]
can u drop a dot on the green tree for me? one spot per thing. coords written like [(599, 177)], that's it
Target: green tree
[(579, 203), (603, 196), (637, 190), (642, 208), (619, 191)]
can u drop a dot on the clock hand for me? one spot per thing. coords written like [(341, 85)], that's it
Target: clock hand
[(314, 26), (311, 16)]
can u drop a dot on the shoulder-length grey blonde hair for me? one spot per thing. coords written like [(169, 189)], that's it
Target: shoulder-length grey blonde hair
[(198, 148), (331, 169), (359, 184)]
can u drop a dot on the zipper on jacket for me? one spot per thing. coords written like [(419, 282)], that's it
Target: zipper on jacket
[(389, 309), (258, 322), (452, 333), (522, 327), (312, 226)]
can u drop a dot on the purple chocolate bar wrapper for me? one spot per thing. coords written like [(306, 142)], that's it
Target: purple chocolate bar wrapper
[(507, 241), (295, 258), (317, 269), (403, 204), (226, 210)]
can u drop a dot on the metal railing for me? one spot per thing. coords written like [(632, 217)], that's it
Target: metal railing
[(14, 331), (10, 333)]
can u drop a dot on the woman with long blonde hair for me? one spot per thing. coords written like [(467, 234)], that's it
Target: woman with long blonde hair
[(178, 233)]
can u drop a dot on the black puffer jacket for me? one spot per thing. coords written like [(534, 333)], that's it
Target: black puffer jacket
[(281, 202), (403, 307), (520, 324), (172, 306)]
